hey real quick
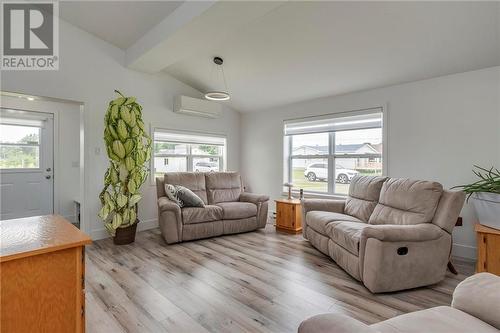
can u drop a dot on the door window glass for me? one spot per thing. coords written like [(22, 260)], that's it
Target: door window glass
[(19, 147)]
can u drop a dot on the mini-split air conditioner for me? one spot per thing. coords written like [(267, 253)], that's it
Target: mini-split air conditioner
[(196, 107)]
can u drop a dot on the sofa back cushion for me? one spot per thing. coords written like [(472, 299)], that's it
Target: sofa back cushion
[(364, 192), (195, 181), (223, 187), (160, 187), (404, 201)]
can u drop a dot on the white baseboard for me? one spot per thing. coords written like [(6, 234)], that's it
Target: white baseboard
[(97, 234), (464, 251)]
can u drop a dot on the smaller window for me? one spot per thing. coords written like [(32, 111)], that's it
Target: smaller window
[(182, 151)]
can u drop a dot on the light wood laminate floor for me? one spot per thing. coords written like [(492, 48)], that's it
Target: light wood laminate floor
[(260, 281)]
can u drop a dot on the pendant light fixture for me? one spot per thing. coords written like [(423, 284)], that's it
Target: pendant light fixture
[(219, 95)]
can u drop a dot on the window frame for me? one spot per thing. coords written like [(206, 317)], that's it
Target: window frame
[(189, 147), (332, 157)]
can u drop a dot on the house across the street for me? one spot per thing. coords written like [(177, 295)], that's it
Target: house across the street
[(350, 161)]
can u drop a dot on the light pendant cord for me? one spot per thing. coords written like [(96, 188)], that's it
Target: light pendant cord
[(224, 78)]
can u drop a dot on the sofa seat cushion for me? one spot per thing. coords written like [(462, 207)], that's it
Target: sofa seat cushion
[(319, 220), (237, 210), (191, 215), (441, 319), (348, 235), (405, 201)]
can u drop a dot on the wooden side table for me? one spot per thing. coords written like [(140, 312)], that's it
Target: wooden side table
[(42, 269), (488, 249), (289, 216)]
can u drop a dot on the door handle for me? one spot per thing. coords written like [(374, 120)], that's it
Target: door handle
[(48, 177), (49, 169)]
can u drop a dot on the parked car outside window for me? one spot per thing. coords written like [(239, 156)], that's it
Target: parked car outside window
[(206, 166), (319, 171)]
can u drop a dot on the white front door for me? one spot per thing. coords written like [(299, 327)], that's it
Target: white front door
[(26, 164)]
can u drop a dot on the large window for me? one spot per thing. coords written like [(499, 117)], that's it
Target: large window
[(323, 154), (179, 151)]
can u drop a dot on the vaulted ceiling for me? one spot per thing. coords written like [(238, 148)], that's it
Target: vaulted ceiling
[(120, 23), (281, 52)]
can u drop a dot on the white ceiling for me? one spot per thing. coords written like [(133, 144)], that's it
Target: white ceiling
[(304, 50), (283, 52), (120, 23)]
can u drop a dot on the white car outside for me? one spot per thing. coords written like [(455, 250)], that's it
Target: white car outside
[(206, 166), (319, 171)]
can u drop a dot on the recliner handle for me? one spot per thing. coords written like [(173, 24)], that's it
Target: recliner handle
[(402, 251)]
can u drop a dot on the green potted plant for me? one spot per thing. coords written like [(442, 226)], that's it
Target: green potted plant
[(129, 148), (485, 195)]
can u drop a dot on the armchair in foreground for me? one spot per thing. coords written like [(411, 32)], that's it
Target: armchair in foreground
[(474, 309)]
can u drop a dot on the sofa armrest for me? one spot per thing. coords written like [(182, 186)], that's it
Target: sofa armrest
[(334, 322), (327, 205), (165, 204), (169, 220), (479, 296), (253, 198), (403, 233), (261, 201)]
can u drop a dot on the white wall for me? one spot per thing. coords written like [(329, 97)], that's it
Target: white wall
[(90, 70), (437, 129), (69, 160)]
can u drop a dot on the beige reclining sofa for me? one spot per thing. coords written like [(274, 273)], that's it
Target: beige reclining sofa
[(227, 210), (474, 309), (389, 233)]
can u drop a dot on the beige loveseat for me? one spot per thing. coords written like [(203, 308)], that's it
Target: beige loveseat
[(474, 309), (227, 210), (389, 233)]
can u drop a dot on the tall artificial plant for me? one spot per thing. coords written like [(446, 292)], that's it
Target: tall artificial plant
[(129, 148)]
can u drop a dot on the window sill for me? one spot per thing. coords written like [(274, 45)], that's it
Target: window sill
[(314, 195)]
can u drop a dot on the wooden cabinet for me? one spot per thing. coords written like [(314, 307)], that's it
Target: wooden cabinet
[(42, 272), (289, 216), (488, 249)]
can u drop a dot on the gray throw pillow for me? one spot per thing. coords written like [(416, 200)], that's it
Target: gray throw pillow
[(183, 196), (172, 193)]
